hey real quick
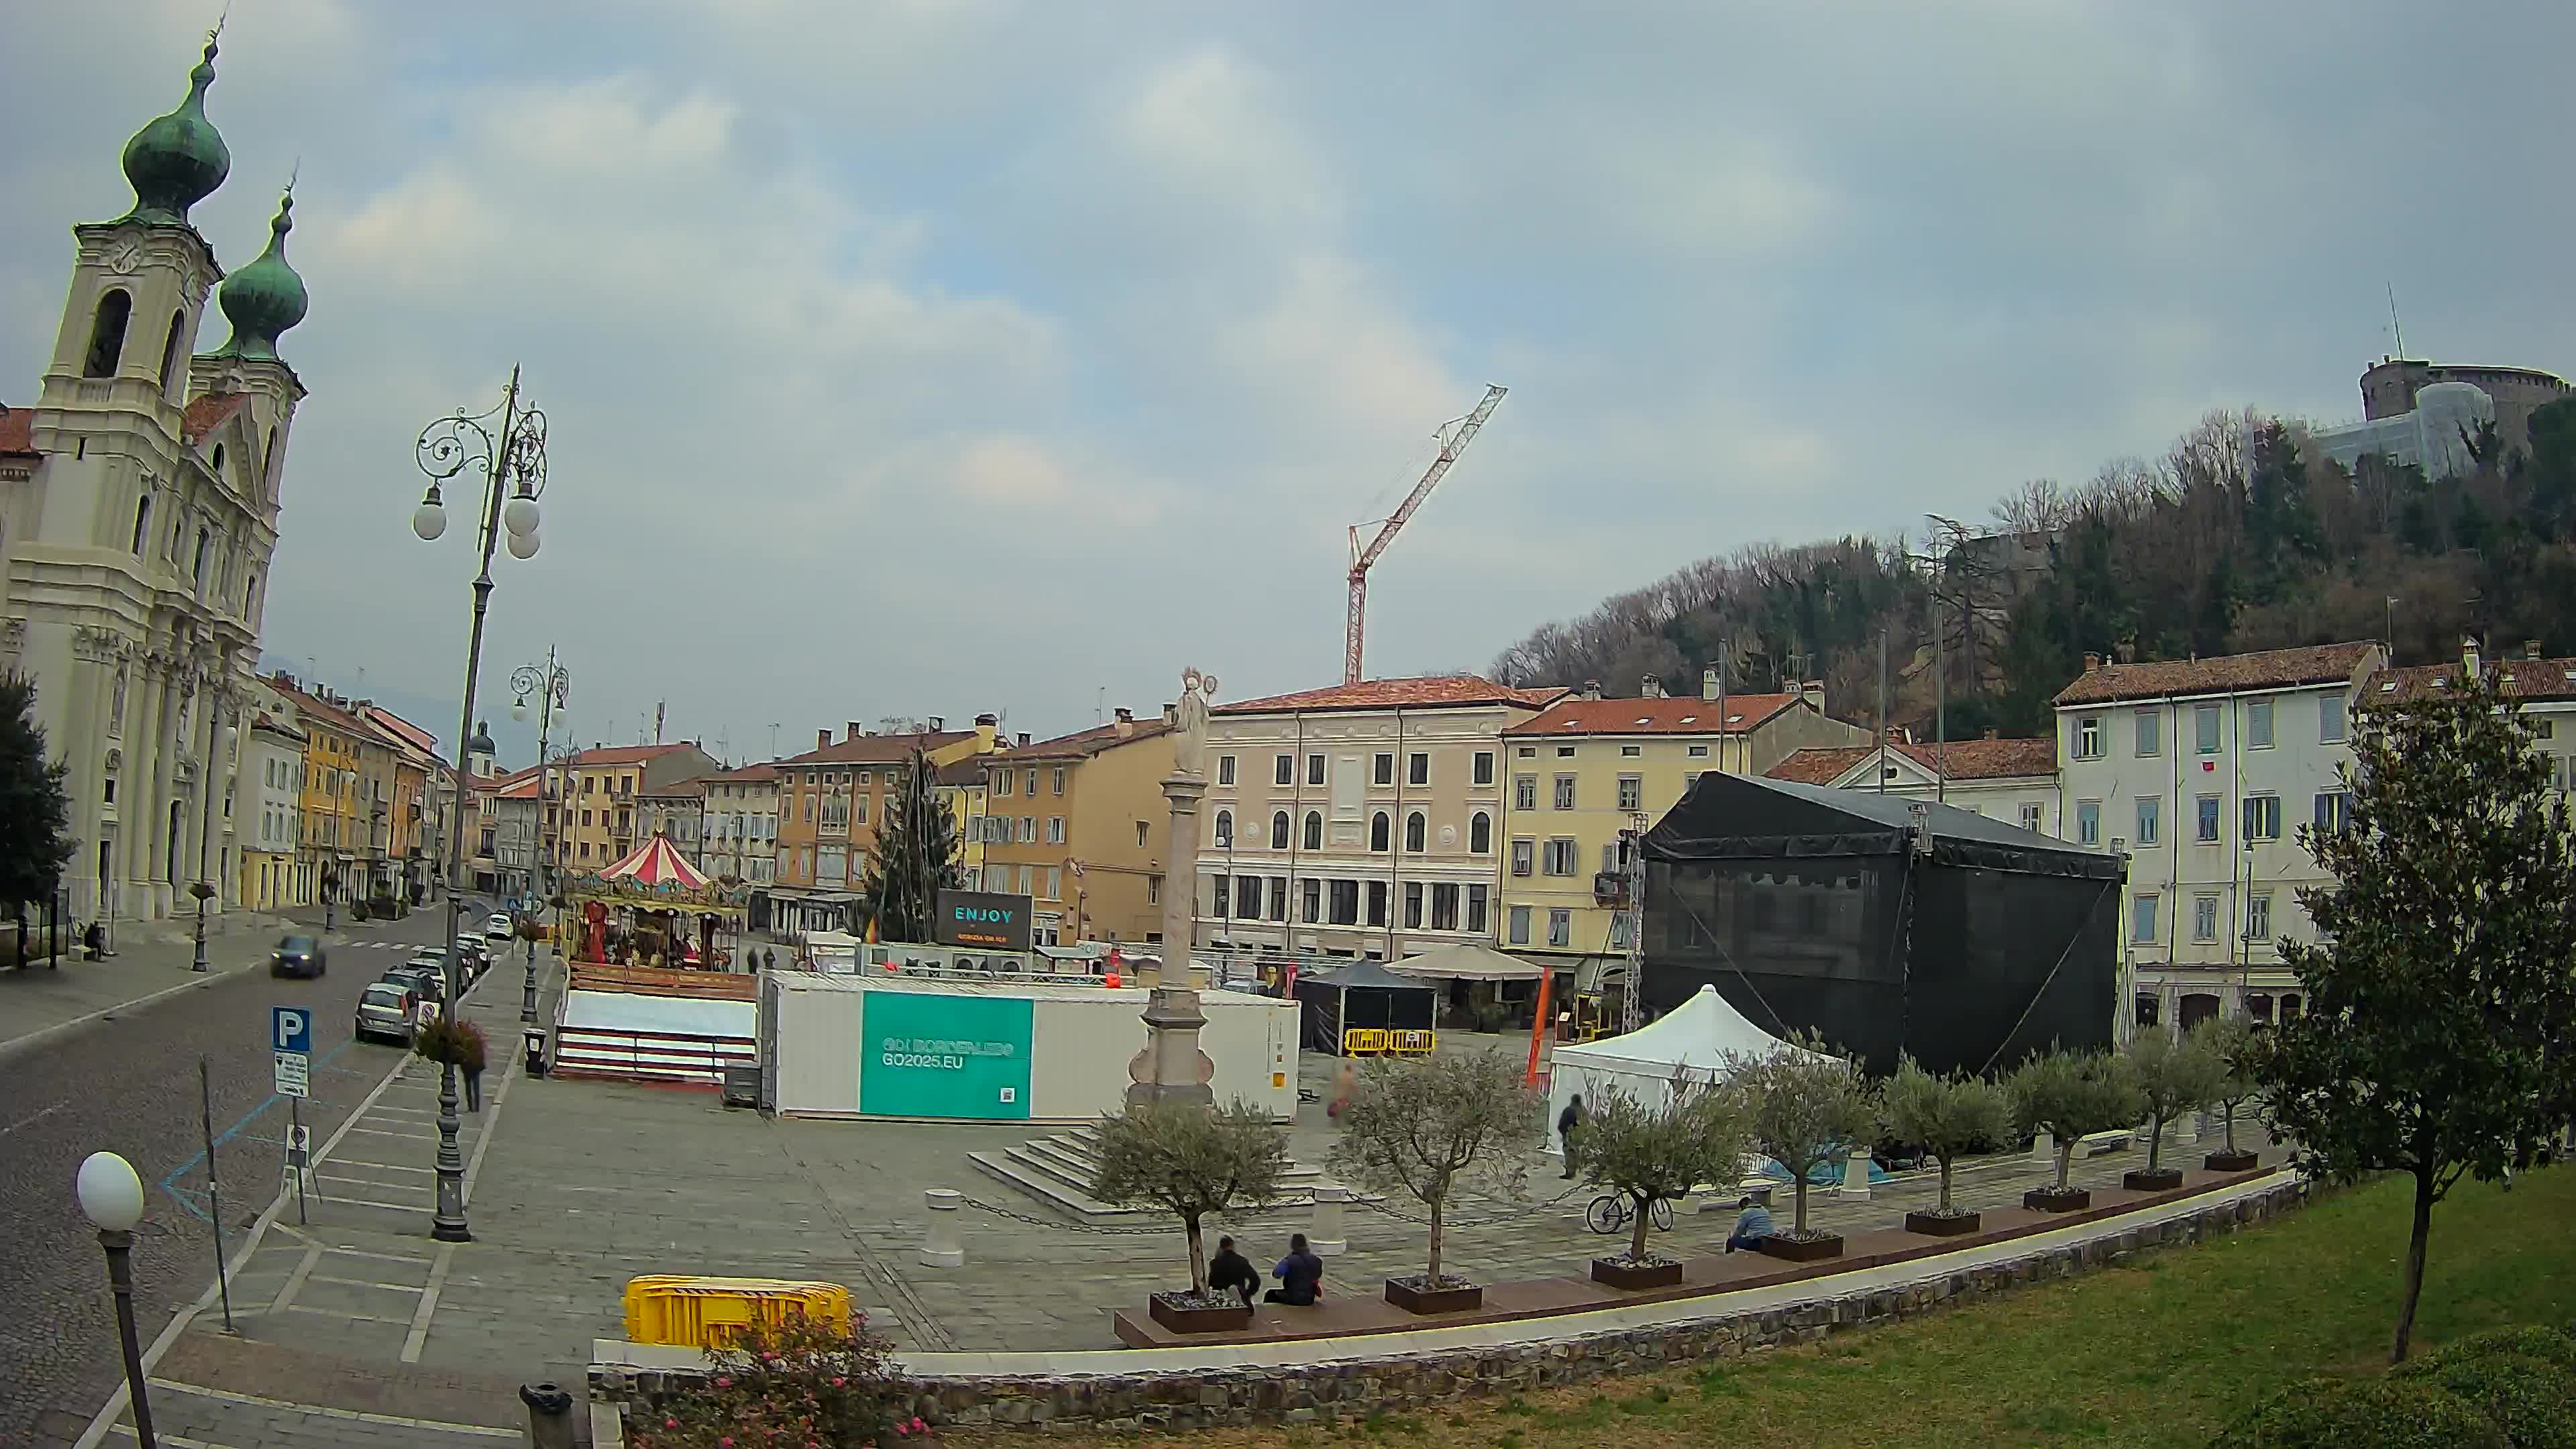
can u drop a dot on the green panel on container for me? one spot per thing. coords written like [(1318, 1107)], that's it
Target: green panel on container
[(931, 1054)]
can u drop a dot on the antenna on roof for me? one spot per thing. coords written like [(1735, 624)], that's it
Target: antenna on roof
[(2395, 327)]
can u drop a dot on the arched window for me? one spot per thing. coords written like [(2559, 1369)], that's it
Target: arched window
[(1480, 834), (1279, 830), (107, 334), (1314, 830), (205, 542), (218, 466), (1225, 827), (1414, 825), (1380, 827), (268, 462), (170, 349), (250, 593), (142, 520)]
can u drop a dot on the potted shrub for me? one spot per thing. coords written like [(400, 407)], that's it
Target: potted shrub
[(2068, 1095), (1807, 1104), (2236, 1047), (1193, 1162), (1945, 1117), (1652, 1153), (1434, 1127), (809, 1379), (453, 1041), (2171, 1077)]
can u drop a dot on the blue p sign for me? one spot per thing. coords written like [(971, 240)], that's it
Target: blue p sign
[(290, 1029)]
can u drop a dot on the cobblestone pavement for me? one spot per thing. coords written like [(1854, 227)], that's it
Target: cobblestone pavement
[(129, 1084)]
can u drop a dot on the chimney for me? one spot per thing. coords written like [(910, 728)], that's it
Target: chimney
[(1993, 734), (1708, 685), (1024, 739), (854, 730), (1126, 724), (2530, 648), (1651, 687), (2469, 656), (987, 726), (1171, 715), (2092, 662), (823, 739), (1813, 692), (939, 724), (1592, 689)]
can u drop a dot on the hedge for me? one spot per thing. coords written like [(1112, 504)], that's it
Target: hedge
[(2507, 1388)]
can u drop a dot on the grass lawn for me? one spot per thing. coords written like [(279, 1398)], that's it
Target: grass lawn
[(2165, 1352)]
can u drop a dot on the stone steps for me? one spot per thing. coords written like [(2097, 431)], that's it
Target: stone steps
[(1057, 1171)]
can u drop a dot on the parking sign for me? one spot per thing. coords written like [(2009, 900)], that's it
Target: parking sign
[(290, 1029)]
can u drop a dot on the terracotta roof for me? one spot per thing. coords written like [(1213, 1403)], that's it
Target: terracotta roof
[(521, 787), (1083, 744), (17, 431), (207, 413), (968, 771), (2515, 678), (276, 726), (1966, 759), (624, 754), (1666, 716), (748, 775), (878, 749), (693, 786), (2268, 669), (1432, 691)]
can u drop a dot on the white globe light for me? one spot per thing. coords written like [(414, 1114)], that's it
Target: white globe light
[(519, 515), (111, 1196), (523, 545), (519, 708), (429, 521)]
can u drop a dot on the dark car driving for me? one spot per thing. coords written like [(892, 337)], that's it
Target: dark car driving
[(297, 956)]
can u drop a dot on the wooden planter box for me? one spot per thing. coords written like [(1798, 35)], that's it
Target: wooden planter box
[(1941, 1227), (1405, 1294), (2050, 1200), (1632, 1275), (1186, 1318), (2162, 1179), (1809, 1251), (2231, 1162)]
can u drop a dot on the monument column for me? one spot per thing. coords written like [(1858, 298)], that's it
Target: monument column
[(1171, 1068)]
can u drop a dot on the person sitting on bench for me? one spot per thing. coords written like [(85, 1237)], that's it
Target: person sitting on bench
[(1752, 1225), (1231, 1269), (1301, 1276)]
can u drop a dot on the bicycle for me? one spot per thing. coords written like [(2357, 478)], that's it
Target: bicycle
[(1610, 1214)]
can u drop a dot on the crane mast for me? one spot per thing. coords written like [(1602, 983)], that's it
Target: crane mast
[(1454, 438)]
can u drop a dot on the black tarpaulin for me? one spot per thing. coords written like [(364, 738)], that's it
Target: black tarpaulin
[(1888, 925), (1361, 995)]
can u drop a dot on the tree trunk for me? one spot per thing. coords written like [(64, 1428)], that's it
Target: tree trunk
[(1439, 1230), (2227, 1124), (2423, 1229), (1946, 1160), (2065, 1161), (1645, 1206), (1198, 1254), (2156, 1144), (1801, 1224)]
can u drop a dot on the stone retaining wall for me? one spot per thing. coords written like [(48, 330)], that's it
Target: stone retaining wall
[(1375, 1383)]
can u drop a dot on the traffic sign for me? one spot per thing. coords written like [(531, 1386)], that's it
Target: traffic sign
[(294, 1074), (290, 1029)]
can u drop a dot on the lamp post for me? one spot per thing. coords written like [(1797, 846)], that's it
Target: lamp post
[(551, 684), (111, 1197), (516, 459), (219, 741)]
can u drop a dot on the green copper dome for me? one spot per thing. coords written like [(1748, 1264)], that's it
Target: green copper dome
[(178, 160), (265, 298)]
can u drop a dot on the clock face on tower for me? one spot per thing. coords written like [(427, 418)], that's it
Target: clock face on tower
[(127, 255)]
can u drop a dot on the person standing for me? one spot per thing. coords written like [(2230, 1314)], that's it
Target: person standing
[(1569, 1122)]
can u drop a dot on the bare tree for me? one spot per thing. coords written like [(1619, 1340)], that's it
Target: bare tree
[(1808, 1104), (1648, 1154), (1434, 1127), (1191, 1162)]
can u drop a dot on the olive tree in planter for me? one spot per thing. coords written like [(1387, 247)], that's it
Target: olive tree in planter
[(2070, 1095), (2236, 1047), (1807, 1106), (1945, 1116), (1649, 1153), (2172, 1077), (1436, 1128), (1192, 1162)]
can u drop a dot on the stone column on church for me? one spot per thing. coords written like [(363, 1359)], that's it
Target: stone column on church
[(152, 896)]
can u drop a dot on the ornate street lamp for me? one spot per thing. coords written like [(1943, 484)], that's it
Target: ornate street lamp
[(513, 465), (552, 685)]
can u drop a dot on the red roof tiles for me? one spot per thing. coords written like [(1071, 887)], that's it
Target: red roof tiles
[(1662, 716), (877, 749), (207, 413), (1434, 691), (1965, 759), (2266, 669), (17, 432), (2515, 678), (1083, 744)]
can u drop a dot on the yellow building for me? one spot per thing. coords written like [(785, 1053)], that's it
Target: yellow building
[(332, 843), (1079, 824), (963, 789), (1586, 769), (832, 798), (600, 812)]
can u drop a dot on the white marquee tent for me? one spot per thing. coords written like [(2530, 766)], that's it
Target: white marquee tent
[(1696, 1038)]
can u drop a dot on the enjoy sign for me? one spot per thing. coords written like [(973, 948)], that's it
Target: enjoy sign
[(981, 918)]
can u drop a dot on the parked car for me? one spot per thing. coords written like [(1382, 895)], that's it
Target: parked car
[(384, 1013), (422, 981), (498, 926), (473, 955), (297, 956)]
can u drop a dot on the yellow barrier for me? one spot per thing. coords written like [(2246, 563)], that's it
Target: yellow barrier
[(1367, 1041), (711, 1312)]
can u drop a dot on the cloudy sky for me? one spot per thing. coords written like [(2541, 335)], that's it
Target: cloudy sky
[(912, 358)]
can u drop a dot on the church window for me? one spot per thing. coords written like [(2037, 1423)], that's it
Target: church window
[(218, 468), (107, 333), (142, 520), (205, 541), (170, 349)]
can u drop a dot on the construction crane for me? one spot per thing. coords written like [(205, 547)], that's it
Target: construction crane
[(1454, 437)]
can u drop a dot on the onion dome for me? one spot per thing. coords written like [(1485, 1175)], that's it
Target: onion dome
[(178, 160), (265, 298), (481, 743)]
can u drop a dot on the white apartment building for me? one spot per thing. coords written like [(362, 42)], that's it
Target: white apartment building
[(2009, 780), (2202, 771), (2545, 688), (740, 828), (1358, 820)]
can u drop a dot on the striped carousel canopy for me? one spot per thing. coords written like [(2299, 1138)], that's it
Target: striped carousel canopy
[(657, 865)]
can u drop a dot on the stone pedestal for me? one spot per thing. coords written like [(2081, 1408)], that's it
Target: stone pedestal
[(1856, 1175), (2186, 1128), (1171, 1068), (2043, 1150), (942, 1245), (1326, 1235)]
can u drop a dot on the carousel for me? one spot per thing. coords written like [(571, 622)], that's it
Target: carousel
[(654, 909)]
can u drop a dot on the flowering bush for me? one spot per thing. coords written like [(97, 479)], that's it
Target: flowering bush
[(801, 1384)]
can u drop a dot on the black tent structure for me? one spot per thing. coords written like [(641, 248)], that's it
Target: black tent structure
[(1360, 996), (1888, 925)]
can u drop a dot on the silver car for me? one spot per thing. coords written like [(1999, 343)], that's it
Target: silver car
[(384, 1014)]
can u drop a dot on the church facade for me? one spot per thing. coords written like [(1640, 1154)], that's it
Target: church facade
[(138, 514)]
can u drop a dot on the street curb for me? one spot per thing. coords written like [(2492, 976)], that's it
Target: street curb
[(42, 1036)]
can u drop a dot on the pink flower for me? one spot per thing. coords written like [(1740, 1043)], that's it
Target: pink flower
[(839, 1382), (919, 1427), (725, 1443), (724, 1381), (670, 1423)]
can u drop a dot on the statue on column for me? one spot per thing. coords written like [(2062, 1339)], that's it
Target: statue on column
[(1172, 1068), (1189, 741)]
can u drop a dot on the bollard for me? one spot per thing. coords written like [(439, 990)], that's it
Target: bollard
[(1328, 1237), (549, 1416), (2187, 1126), (2043, 1150), (1855, 1175), (941, 1245)]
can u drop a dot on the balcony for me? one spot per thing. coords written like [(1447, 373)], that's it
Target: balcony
[(1610, 888)]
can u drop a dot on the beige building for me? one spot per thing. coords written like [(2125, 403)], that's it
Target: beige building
[(1588, 770), (1358, 820), (831, 801), (2014, 781), (1079, 824), (740, 833), (600, 811)]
